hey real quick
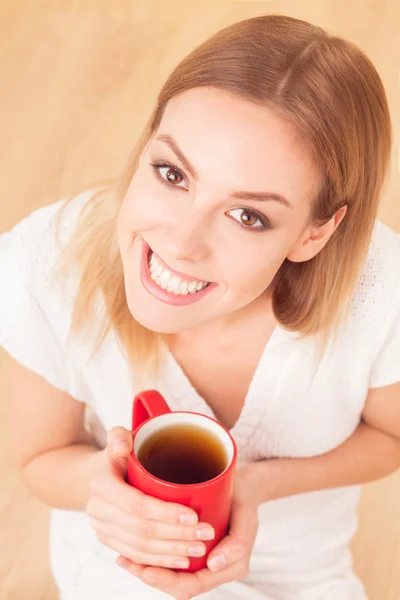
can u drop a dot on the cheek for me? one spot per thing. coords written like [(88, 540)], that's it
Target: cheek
[(249, 275), (144, 208), (130, 209), (250, 280)]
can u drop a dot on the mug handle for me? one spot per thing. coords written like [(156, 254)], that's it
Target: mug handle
[(148, 404)]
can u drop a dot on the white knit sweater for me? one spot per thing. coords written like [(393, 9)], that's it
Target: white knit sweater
[(291, 410)]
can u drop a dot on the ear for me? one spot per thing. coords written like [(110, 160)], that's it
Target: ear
[(314, 238)]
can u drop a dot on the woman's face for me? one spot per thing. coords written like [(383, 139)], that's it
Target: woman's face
[(188, 217)]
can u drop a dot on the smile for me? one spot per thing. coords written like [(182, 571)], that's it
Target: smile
[(171, 281), (169, 285)]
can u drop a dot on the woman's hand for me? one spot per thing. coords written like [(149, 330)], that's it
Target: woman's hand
[(228, 561), (146, 530)]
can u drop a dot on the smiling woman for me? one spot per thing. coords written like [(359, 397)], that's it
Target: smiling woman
[(239, 245), (289, 138), (196, 225)]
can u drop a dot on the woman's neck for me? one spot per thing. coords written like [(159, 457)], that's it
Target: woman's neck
[(225, 329)]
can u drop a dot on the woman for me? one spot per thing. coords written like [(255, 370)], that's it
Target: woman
[(238, 267)]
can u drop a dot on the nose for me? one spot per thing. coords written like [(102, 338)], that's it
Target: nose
[(185, 238)]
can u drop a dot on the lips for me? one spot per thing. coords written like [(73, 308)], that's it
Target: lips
[(173, 281), (169, 285)]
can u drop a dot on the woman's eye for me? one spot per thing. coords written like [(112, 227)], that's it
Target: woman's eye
[(170, 172), (248, 219)]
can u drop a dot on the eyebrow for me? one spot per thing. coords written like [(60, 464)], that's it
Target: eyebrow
[(241, 195)]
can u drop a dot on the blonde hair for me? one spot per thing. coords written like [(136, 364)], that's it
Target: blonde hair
[(329, 90)]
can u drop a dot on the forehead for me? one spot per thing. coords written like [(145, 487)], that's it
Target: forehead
[(236, 144)]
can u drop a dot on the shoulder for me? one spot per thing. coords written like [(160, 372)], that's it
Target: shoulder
[(42, 230), (33, 245), (376, 301), (35, 312), (33, 296), (384, 250), (379, 279)]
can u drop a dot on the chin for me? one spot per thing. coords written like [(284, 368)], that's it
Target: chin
[(157, 327), (162, 324)]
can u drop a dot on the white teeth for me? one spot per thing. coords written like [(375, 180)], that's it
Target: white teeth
[(172, 283), (183, 288), (165, 277)]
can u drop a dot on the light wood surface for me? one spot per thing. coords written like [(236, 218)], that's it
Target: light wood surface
[(78, 79)]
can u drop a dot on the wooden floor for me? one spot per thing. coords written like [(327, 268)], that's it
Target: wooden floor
[(78, 79)]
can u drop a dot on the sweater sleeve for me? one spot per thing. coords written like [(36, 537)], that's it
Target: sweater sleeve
[(24, 329), (33, 315)]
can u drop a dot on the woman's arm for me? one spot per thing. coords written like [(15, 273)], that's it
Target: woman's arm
[(372, 452), (55, 455), (61, 477)]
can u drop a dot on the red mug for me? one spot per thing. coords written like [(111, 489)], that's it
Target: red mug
[(210, 499)]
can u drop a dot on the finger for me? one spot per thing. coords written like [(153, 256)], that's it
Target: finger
[(134, 502), (148, 545), (104, 511), (238, 543), (208, 580), (128, 565), (143, 558), (225, 554), (141, 572), (119, 447), (191, 584), (170, 581)]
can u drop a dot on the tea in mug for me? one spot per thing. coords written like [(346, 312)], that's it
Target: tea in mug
[(183, 453)]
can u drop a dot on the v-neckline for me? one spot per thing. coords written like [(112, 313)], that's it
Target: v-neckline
[(188, 398)]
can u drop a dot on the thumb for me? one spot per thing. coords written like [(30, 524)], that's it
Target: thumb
[(238, 542), (119, 447)]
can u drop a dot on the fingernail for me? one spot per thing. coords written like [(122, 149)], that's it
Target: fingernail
[(217, 562), (181, 563), (205, 534), (196, 550), (188, 519)]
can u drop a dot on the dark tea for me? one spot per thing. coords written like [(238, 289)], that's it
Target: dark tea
[(183, 453)]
